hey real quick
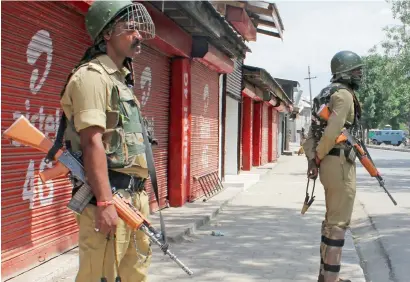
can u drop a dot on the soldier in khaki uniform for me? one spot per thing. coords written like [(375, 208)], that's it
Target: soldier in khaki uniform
[(335, 163), (104, 126)]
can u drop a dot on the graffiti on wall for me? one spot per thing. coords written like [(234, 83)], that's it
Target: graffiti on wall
[(146, 83), (39, 44), (205, 130)]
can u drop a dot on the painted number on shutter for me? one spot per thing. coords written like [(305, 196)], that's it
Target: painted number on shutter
[(146, 82), (40, 43)]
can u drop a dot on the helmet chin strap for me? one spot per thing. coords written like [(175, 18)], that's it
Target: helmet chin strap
[(347, 78)]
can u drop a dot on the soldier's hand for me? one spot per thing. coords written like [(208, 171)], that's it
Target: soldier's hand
[(106, 220), (313, 170)]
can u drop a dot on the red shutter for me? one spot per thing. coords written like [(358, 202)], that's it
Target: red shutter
[(241, 148), (205, 125), (41, 43), (152, 87), (247, 133), (275, 126), (265, 134)]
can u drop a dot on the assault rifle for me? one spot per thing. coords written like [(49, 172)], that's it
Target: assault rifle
[(360, 149), (24, 132)]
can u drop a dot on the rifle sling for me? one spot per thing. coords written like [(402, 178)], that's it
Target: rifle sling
[(153, 174), (58, 143)]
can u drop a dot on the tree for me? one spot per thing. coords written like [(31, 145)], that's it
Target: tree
[(385, 94)]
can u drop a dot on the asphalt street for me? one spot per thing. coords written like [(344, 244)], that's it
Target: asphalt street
[(381, 229)]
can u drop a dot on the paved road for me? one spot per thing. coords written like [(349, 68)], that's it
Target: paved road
[(265, 237), (382, 229)]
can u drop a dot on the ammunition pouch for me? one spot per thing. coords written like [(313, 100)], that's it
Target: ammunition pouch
[(350, 154)]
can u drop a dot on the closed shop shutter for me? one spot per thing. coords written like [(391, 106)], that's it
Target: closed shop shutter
[(275, 126), (152, 87), (234, 79), (205, 125), (247, 132), (280, 134), (41, 42), (265, 134), (241, 148), (251, 129)]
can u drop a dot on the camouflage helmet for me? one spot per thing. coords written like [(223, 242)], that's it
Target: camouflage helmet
[(345, 61), (101, 13)]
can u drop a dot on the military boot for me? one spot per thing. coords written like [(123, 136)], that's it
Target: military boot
[(321, 278)]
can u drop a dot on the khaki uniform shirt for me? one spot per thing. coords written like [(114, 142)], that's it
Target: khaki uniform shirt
[(88, 96), (341, 106)]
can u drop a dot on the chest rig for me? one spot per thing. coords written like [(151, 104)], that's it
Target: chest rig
[(318, 124), (123, 139)]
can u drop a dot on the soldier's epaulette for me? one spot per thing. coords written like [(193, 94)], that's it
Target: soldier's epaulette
[(95, 66)]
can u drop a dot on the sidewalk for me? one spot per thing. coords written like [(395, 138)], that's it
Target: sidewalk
[(265, 236)]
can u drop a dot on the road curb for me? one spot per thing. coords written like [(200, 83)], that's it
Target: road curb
[(180, 237), (364, 246), (388, 148)]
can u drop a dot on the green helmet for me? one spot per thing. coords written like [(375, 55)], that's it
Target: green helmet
[(101, 13), (345, 61)]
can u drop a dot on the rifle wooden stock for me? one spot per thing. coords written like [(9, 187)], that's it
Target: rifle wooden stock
[(341, 138), (324, 113), (56, 171), (368, 165), (25, 133), (131, 216)]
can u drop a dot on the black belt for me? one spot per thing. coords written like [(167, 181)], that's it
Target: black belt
[(123, 181), (127, 182), (335, 152)]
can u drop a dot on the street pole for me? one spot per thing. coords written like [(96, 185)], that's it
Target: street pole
[(310, 87), (310, 90)]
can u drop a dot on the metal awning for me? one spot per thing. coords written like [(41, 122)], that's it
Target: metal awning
[(263, 80), (262, 13), (288, 86), (200, 18)]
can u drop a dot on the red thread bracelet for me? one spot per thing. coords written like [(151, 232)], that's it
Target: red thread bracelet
[(105, 203)]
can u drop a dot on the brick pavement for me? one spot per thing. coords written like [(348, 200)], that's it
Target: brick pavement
[(265, 236)]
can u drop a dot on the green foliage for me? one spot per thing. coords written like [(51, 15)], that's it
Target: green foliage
[(385, 93)]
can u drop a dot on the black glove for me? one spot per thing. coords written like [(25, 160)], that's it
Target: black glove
[(313, 170)]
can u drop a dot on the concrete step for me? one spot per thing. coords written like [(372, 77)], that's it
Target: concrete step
[(243, 177), (233, 184)]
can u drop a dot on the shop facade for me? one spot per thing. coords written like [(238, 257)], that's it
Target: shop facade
[(177, 81)]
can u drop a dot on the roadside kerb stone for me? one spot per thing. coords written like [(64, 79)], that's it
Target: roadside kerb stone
[(388, 148)]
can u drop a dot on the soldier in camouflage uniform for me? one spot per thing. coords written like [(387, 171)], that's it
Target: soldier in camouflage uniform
[(335, 163), (104, 126)]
